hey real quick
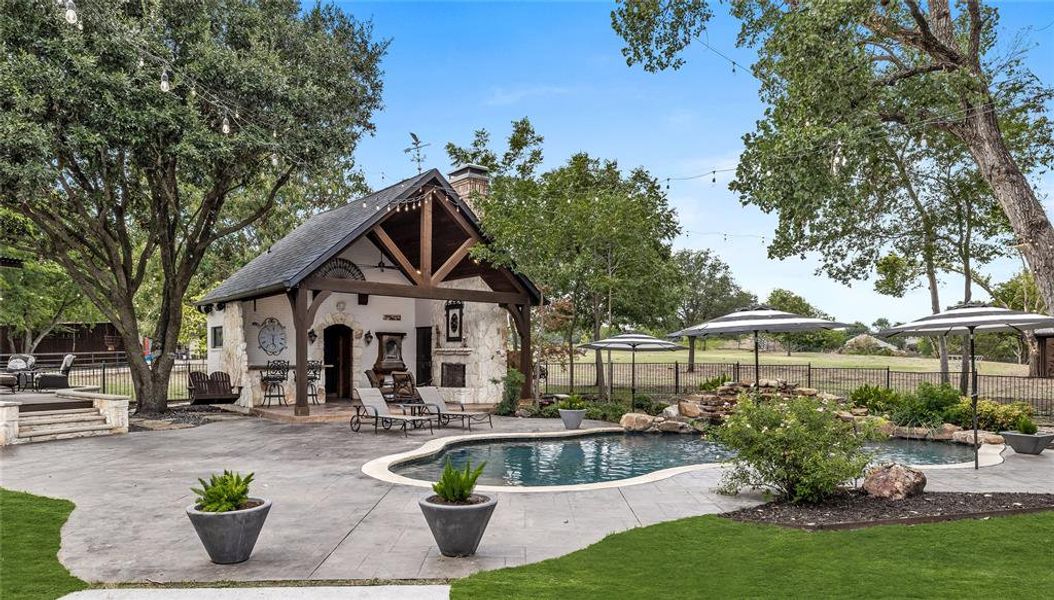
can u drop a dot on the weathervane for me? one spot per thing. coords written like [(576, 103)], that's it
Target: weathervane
[(415, 151)]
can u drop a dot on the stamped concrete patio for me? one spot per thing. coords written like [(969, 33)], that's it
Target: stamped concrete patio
[(331, 522)]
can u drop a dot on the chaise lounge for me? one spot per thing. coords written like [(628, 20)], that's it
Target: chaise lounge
[(375, 409), (434, 401)]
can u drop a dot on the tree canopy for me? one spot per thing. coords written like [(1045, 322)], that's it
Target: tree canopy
[(137, 136)]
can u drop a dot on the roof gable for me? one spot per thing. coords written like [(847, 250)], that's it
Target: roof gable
[(323, 236)]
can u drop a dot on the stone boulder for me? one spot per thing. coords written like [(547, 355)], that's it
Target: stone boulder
[(945, 432), (805, 391), (636, 421), (859, 411), (690, 409), (986, 437), (894, 482), (675, 427), (672, 411)]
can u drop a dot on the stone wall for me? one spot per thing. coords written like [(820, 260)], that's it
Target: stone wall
[(482, 349)]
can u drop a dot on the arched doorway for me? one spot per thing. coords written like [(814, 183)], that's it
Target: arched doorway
[(336, 352)]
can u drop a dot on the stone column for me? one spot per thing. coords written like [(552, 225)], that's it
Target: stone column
[(115, 409), (8, 422)]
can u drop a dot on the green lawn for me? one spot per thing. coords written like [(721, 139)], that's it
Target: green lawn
[(29, 545), (817, 359), (710, 557)]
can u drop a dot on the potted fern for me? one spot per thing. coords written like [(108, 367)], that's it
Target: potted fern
[(227, 519), (456, 516), (1026, 439), (572, 411)]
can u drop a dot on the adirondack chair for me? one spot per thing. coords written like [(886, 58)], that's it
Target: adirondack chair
[(212, 389)]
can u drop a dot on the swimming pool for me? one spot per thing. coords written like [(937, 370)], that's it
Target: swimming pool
[(595, 458)]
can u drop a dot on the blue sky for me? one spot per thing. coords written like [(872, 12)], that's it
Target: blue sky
[(456, 67)]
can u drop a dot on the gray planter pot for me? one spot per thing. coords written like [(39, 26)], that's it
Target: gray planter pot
[(1025, 443), (572, 418), (458, 529), (229, 537)]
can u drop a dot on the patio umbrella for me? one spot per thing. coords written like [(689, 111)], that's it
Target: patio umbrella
[(633, 342), (970, 318), (757, 319)]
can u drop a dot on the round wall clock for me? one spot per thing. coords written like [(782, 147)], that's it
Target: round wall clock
[(272, 336)]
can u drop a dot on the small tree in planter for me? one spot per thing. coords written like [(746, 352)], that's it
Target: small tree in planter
[(572, 411), (456, 516), (1025, 438), (228, 521)]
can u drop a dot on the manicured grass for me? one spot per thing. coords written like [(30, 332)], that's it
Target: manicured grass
[(710, 557), (817, 359), (29, 545)]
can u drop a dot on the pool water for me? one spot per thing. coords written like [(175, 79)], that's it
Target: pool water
[(615, 456)]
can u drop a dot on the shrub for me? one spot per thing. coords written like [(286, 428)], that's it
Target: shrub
[(1026, 425), (711, 384), (799, 448), (456, 485), (572, 402), (991, 415), (223, 493), (929, 406), (877, 400), (512, 384), (937, 399), (549, 412), (606, 411)]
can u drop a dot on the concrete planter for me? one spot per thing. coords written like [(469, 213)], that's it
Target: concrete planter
[(229, 537), (1026, 443), (457, 528), (572, 418)]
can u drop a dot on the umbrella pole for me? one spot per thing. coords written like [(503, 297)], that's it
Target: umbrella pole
[(633, 381), (757, 363), (973, 399)]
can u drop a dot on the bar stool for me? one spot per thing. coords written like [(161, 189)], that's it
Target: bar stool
[(273, 380), (314, 373)]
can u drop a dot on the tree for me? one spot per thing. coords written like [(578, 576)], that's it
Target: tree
[(589, 234), (522, 156), (1020, 293), (35, 301), (146, 134), (823, 340), (837, 75), (705, 290)]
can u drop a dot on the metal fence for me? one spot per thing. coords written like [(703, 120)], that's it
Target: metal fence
[(48, 360), (669, 379), (117, 378)]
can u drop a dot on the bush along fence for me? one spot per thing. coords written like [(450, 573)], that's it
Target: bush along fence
[(117, 378), (671, 379)]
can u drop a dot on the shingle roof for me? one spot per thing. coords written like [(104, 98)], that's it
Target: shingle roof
[(318, 239)]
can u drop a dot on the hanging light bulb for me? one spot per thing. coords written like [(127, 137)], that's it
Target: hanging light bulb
[(141, 62), (166, 85), (71, 12), (236, 115), (274, 160), (225, 127), (193, 92), (364, 204)]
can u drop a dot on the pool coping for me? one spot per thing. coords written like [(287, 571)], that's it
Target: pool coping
[(380, 468)]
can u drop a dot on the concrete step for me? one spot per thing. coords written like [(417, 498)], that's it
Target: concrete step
[(66, 435), (62, 431), (67, 411), (32, 420)]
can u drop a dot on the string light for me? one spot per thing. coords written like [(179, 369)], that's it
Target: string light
[(166, 85), (225, 127)]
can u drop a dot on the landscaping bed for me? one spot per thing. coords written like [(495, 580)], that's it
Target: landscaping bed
[(180, 417), (855, 509)]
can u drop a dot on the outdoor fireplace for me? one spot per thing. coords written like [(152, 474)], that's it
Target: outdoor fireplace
[(452, 375), (389, 352)]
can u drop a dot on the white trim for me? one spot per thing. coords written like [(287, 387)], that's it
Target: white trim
[(380, 468)]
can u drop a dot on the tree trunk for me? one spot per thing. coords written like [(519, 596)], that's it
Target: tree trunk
[(935, 307), (1015, 195), (691, 354), (1035, 369), (598, 360)]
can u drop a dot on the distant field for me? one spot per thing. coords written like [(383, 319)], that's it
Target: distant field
[(817, 359)]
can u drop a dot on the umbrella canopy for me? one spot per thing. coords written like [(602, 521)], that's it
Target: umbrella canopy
[(966, 318), (970, 318), (633, 342), (756, 319)]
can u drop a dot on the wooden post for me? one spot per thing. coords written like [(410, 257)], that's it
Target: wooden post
[(299, 301), (425, 261), (526, 358)]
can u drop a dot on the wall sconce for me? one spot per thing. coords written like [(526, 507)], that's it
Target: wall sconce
[(312, 336), (369, 338)]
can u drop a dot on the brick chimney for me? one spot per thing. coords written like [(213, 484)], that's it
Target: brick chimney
[(468, 181)]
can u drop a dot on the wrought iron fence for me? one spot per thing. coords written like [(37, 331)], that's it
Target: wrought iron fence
[(117, 378), (668, 379)]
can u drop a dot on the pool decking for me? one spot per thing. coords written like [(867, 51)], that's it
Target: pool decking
[(329, 520)]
